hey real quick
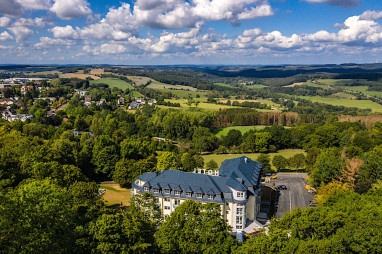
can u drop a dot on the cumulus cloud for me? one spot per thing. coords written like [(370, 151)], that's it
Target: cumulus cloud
[(66, 32), (36, 22), (342, 3), (119, 24), (21, 33), (5, 21), (71, 9), (5, 36), (371, 15), (12, 8), (36, 4), (46, 42)]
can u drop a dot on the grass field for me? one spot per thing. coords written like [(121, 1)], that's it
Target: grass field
[(219, 158), (202, 105), (113, 82), (363, 104), (115, 194), (43, 73), (138, 80), (256, 86), (158, 85), (242, 129), (80, 76)]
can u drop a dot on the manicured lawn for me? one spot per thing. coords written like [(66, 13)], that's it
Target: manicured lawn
[(363, 104), (115, 194), (113, 82), (242, 129), (219, 158)]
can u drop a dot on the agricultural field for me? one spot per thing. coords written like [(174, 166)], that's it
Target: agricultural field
[(242, 129), (97, 71), (219, 158), (113, 82), (363, 104), (115, 194), (43, 73), (185, 94), (77, 75), (256, 86), (158, 85), (138, 80)]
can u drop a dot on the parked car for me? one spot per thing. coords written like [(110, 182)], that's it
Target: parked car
[(312, 203), (273, 176), (281, 187)]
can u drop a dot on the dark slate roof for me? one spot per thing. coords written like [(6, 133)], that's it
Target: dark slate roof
[(242, 168), (239, 174)]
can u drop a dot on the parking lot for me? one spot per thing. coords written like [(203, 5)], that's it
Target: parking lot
[(295, 196)]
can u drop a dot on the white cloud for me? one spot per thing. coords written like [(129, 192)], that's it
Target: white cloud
[(36, 22), (71, 9), (46, 42), (342, 3), (371, 15), (12, 8), (36, 4), (5, 36), (119, 24), (22, 33), (66, 32), (5, 21)]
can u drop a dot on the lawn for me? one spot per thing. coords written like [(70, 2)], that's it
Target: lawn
[(115, 194), (219, 158), (242, 129), (113, 82), (363, 104)]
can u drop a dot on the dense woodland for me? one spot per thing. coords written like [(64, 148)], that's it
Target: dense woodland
[(49, 201)]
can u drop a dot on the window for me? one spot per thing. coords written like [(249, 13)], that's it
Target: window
[(166, 200), (226, 220), (210, 196), (176, 202), (240, 194), (239, 227), (226, 212), (239, 220), (156, 190), (177, 192), (166, 207), (239, 211), (146, 188), (226, 203), (166, 191), (188, 194), (199, 195)]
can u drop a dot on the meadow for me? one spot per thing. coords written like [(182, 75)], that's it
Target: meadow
[(242, 129), (113, 82), (115, 194), (202, 105), (362, 104), (219, 158)]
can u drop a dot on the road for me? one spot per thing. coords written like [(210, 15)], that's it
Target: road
[(295, 196)]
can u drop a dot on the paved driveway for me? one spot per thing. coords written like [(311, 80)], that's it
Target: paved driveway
[(295, 196)]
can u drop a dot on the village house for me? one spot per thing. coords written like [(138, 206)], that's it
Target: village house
[(236, 187)]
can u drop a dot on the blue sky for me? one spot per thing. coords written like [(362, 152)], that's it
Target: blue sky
[(190, 31)]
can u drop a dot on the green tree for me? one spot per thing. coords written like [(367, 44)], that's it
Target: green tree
[(297, 161), (212, 165), (280, 162), (167, 160), (188, 162), (265, 160), (195, 228), (204, 140), (233, 138), (327, 168)]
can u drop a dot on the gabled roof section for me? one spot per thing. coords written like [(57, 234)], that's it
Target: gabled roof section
[(242, 169)]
